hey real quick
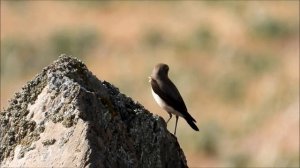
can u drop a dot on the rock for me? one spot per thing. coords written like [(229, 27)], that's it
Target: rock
[(66, 117)]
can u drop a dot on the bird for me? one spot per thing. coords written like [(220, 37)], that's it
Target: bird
[(168, 97)]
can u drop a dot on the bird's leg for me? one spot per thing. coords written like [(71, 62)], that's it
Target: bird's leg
[(169, 118), (176, 125)]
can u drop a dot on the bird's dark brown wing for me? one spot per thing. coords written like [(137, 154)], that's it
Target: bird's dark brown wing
[(171, 96)]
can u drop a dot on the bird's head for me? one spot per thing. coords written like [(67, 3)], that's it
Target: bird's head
[(160, 71)]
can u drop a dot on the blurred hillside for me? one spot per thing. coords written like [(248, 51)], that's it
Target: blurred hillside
[(235, 63)]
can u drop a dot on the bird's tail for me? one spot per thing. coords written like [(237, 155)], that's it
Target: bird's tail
[(190, 121)]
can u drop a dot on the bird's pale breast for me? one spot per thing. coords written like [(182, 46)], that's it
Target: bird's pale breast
[(163, 105)]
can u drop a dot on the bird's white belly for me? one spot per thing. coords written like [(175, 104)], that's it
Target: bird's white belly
[(163, 105)]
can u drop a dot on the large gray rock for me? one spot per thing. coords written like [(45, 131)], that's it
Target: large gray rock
[(66, 117)]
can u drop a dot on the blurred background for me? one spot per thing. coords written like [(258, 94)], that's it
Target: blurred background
[(235, 63)]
